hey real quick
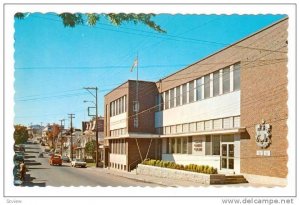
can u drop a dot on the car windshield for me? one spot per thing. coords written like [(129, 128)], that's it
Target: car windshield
[(79, 160)]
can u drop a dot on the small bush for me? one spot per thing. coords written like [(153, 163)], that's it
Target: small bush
[(172, 165)]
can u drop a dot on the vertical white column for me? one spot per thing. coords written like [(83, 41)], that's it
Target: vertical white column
[(221, 82), (211, 84), (202, 87), (231, 78)]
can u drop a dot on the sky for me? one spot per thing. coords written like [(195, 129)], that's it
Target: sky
[(53, 63)]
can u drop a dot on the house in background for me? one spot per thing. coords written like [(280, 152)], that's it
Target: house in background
[(88, 135)]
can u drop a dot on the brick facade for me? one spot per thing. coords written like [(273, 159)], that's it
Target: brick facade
[(263, 95), (263, 59)]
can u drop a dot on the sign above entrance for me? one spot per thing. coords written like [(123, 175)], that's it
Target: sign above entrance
[(263, 134), (198, 145)]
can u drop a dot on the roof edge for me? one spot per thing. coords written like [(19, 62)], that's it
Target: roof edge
[(227, 47)]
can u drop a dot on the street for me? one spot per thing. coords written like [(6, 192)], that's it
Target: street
[(40, 173)]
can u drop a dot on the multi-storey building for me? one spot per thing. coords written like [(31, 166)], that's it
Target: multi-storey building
[(228, 110), (131, 139)]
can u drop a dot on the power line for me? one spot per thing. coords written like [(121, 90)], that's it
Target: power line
[(171, 37)]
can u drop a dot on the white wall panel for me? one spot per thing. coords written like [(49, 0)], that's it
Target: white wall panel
[(217, 107), (118, 158), (118, 121)]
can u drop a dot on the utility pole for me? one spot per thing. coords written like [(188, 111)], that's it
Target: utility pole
[(71, 116), (96, 124), (61, 144)]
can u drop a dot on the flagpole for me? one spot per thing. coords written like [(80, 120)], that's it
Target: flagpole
[(137, 87), (137, 77)]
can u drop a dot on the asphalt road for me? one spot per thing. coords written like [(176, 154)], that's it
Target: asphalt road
[(40, 173)]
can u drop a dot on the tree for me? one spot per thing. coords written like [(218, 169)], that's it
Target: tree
[(90, 148), (53, 134), (20, 134), (74, 19)]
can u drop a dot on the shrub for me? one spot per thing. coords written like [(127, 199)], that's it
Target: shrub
[(190, 167)]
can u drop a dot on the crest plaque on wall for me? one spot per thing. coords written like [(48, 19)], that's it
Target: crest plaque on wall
[(263, 134)]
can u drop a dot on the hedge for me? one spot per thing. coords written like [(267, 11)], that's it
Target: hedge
[(172, 165)]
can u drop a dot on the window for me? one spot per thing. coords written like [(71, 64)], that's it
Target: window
[(162, 98), (179, 128), (114, 108), (169, 145), (206, 86), (215, 145), (117, 107), (178, 151), (110, 109), (190, 145), (173, 145), (157, 108), (184, 94), (199, 89), (185, 127), (125, 104), (216, 83), (172, 98), (191, 91), (173, 129), (178, 96), (121, 105), (236, 77), (184, 145), (167, 100), (207, 145), (226, 80)]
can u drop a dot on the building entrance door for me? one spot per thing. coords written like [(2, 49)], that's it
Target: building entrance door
[(227, 156)]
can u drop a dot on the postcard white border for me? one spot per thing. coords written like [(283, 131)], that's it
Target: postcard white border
[(11, 190)]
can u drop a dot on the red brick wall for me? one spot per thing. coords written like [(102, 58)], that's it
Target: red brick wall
[(147, 92), (263, 93), (133, 152)]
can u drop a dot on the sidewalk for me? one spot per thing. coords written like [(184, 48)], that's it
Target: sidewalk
[(171, 182), (151, 179)]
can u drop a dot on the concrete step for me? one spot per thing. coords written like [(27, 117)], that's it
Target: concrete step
[(235, 179)]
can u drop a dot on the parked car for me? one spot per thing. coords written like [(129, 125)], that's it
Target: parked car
[(55, 159), (35, 142), (22, 147), (18, 157), (47, 149), (50, 154), (65, 159), (78, 163), (43, 143), (41, 155)]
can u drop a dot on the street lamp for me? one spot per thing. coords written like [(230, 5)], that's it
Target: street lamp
[(96, 124)]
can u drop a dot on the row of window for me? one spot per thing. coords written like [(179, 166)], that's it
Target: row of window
[(118, 146), (208, 125), (118, 106), (117, 132), (219, 82), (188, 145)]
